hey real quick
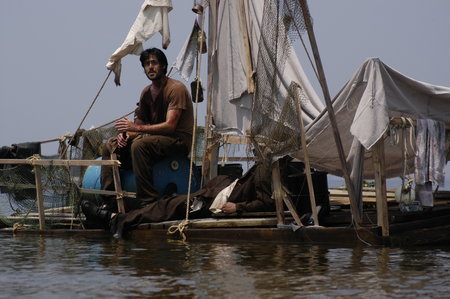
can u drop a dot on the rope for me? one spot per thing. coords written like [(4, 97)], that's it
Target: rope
[(108, 123), (33, 159), (184, 224), (60, 139), (180, 227), (89, 110), (17, 226), (64, 137), (361, 239)]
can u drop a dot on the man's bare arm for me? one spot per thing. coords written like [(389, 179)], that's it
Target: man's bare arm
[(167, 127)]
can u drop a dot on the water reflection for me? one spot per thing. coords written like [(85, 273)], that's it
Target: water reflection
[(36, 266)]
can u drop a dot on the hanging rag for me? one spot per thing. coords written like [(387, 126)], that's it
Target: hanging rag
[(184, 63), (430, 158), (152, 18), (430, 152)]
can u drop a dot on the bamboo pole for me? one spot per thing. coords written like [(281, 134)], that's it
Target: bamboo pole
[(351, 192), (280, 196), (51, 162), (118, 186), (312, 196), (248, 57), (277, 193), (107, 192), (39, 196), (209, 162), (380, 186), (60, 188)]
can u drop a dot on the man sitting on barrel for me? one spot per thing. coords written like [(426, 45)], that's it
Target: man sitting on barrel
[(162, 127)]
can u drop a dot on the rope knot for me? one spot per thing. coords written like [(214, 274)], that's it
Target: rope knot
[(17, 226), (63, 138), (180, 227), (34, 158)]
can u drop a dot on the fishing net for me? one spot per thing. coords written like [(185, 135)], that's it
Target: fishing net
[(60, 184), (275, 128)]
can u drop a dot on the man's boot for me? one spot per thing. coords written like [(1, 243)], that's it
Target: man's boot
[(95, 214)]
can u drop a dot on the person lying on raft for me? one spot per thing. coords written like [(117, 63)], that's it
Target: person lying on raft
[(251, 193)]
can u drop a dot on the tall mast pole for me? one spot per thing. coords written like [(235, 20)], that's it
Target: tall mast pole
[(210, 158), (323, 83)]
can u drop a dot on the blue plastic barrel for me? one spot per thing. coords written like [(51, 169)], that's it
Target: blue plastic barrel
[(173, 170), (91, 178)]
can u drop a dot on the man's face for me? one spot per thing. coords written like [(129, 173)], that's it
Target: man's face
[(153, 69)]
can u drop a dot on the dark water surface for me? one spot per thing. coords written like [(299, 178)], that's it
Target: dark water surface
[(34, 266)]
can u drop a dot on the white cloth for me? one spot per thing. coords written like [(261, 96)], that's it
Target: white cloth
[(222, 198), (388, 90), (363, 107), (152, 18), (424, 193), (184, 63), (430, 152)]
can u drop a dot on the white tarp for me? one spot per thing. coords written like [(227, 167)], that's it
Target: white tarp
[(152, 18), (230, 100), (363, 108)]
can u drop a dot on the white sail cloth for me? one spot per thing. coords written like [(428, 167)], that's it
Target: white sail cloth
[(229, 24), (152, 18), (363, 107)]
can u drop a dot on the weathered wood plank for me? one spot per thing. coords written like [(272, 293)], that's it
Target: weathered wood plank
[(345, 201), (309, 180), (107, 192), (48, 217), (45, 162), (277, 192), (303, 235), (39, 196), (118, 186), (340, 192), (380, 186)]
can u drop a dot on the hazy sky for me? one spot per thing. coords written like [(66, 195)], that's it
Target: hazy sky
[(53, 54)]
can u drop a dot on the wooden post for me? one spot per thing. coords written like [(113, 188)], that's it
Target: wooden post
[(323, 83), (209, 161), (39, 196), (118, 185), (380, 186), (211, 157), (280, 196), (312, 196), (292, 210), (248, 57)]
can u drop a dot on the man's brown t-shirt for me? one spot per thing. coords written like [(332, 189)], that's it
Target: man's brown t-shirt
[(174, 95)]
